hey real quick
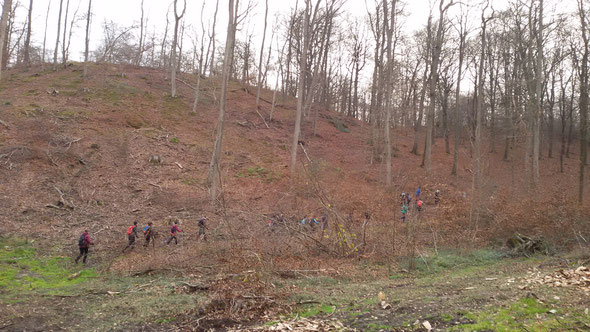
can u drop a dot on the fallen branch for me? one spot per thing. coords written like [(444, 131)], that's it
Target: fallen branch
[(72, 142), (155, 185), (185, 83), (266, 124), (195, 287), (179, 165), (53, 206)]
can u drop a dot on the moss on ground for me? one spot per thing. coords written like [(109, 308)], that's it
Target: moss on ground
[(24, 270)]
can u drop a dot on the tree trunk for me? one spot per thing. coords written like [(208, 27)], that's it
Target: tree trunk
[(433, 81), (64, 57), (27, 46), (141, 38), (212, 40), (259, 83), (300, 87), (462, 36), (584, 85), (88, 16), (45, 36), (173, 63), (57, 36), (214, 176), (201, 64), (3, 24)]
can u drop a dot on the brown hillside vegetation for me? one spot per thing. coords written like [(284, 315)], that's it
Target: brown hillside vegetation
[(76, 155)]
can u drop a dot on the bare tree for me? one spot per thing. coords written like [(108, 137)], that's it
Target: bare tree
[(477, 158), (57, 35), (583, 103), (87, 40), (214, 176), (259, 83), (300, 87), (173, 64), (3, 25), (140, 48), (462, 36), (212, 40), (63, 43), (433, 80), (27, 46), (201, 63), (45, 35)]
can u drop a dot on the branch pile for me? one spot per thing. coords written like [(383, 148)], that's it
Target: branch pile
[(526, 246)]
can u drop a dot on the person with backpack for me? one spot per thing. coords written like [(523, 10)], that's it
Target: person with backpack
[(202, 227), (419, 205), (404, 211), (418, 192), (408, 199), (436, 197), (131, 235), (148, 234), (173, 231), (83, 243)]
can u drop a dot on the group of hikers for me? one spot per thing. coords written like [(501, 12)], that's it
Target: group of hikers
[(84, 242), (406, 199)]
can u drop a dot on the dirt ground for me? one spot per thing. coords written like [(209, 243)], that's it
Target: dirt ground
[(369, 298)]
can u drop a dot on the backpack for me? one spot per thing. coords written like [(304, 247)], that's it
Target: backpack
[(146, 230), (130, 229), (82, 241), (172, 229)]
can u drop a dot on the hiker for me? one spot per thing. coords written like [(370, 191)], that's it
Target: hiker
[(83, 243), (419, 205), (418, 192), (404, 211), (173, 231), (131, 235), (408, 199), (367, 219), (436, 197), (148, 233), (324, 224), (202, 227), (403, 198)]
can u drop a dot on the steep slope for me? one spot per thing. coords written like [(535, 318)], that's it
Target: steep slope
[(76, 154)]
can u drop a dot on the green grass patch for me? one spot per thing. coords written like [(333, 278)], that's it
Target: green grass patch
[(260, 172), (315, 310), (23, 269), (452, 260), (526, 314)]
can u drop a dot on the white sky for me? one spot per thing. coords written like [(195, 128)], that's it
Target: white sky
[(127, 12)]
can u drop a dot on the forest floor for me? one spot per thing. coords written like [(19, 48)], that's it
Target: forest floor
[(481, 290)]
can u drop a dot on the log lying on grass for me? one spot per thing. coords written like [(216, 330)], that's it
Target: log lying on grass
[(522, 245)]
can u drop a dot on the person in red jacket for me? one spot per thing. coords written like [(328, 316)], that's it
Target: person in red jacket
[(173, 231), (83, 243)]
